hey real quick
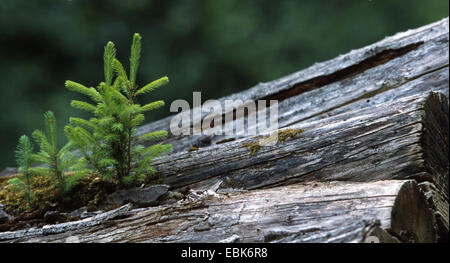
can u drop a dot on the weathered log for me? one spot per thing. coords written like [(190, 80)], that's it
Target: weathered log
[(137, 196), (439, 205), (66, 227), (405, 64), (405, 139), (359, 121), (390, 140), (391, 211), (408, 63)]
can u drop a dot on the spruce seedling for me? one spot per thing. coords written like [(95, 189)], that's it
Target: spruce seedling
[(58, 162), (24, 159), (109, 141)]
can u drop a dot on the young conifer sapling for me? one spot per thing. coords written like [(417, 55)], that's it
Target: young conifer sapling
[(24, 159), (108, 141), (62, 164)]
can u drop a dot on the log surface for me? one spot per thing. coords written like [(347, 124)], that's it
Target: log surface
[(374, 143), (407, 63), (371, 160), (313, 212)]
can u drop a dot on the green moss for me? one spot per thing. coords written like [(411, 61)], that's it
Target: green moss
[(292, 133), (89, 191), (283, 136), (44, 194), (155, 178), (252, 146), (4, 180)]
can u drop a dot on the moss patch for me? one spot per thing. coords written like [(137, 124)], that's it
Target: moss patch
[(89, 191), (283, 136), (252, 146), (44, 194), (292, 133)]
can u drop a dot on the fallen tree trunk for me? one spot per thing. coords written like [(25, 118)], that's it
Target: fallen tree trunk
[(376, 143), (405, 64), (406, 139), (363, 152), (67, 227), (326, 212), (390, 211)]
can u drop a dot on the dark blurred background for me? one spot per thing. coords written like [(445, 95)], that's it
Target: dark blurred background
[(216, 47)]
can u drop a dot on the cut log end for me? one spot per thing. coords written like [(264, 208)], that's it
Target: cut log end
[(412, 219)]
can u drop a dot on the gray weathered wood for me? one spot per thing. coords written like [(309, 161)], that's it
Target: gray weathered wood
[(372, 160), (66, 227), (402, 65), (392, 211), (374, 143), (405, 139)]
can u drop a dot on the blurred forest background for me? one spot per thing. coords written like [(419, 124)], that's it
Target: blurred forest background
[(216, 47)]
